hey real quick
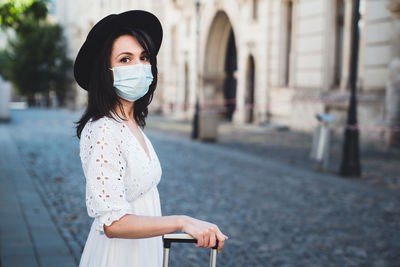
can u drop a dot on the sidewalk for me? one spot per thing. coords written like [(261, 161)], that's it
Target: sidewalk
[(380, 167), (28, 236)]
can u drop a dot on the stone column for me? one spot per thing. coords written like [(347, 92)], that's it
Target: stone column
[(392, 103)]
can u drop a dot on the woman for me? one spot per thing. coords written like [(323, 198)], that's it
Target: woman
[(117, 66)]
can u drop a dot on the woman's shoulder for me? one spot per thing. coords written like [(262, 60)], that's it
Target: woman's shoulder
[(104, 130), (104, 126)]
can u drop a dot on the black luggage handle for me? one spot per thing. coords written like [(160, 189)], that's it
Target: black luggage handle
[(181, 238), (168, 239)]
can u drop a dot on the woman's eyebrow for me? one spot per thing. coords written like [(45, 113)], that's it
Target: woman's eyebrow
[(131, 54), (127, 53)]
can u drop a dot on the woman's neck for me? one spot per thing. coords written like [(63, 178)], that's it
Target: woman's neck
[(128, 108)]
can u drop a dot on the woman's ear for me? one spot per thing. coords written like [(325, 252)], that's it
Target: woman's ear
[(112, 74)]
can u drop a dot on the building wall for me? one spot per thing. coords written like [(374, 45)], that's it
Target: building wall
[(376, 45), (300, 53)]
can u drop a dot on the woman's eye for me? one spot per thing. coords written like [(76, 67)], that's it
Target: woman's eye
[(145, 58), (125, 60)]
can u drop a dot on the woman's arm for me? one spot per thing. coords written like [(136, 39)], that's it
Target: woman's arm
[(135, 226)]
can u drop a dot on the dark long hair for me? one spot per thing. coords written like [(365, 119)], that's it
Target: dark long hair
[(102, 97)]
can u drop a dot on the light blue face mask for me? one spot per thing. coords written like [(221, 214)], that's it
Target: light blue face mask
[(133, 81)]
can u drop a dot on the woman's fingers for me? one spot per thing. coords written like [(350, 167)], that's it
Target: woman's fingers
[(200, 240), (212, 238), (206, 233), (206, 238), (221, 239), (220, 245), (221, 242)]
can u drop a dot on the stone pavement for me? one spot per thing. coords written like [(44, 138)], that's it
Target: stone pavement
[(275, 213), (380, 166), (28, 236)]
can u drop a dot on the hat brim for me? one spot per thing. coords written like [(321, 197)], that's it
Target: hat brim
[(97, 36)]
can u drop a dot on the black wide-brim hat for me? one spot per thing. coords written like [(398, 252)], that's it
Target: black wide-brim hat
[(135, 19)]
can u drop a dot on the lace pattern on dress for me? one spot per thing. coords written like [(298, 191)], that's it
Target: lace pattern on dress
[(104, 165), (146, 173)]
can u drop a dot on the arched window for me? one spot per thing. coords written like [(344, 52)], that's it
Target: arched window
[(339, 41), (250, 90), (288, 40), (186, 91), (255, 9)]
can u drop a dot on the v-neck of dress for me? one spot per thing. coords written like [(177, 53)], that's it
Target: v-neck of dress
[(145, 142)]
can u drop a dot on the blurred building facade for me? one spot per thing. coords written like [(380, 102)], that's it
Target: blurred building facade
[(256, 61)]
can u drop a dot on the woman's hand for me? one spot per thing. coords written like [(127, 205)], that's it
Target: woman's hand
[(206, 233)]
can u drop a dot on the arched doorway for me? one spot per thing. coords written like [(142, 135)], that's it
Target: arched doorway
[(249, 98), (230, 80), (220, 64)]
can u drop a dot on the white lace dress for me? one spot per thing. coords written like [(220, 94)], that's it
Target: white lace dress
[(120, 179)]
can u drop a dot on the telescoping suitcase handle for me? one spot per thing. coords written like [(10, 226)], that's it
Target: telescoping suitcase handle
[(168, 239)]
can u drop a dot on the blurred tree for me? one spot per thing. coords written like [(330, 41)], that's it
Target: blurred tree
[(35, 60), (19, 14)]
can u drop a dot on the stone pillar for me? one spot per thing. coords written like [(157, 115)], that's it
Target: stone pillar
[(5, 93), (392, 102)]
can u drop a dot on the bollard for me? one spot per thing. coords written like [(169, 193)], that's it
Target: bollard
[(321, 140)]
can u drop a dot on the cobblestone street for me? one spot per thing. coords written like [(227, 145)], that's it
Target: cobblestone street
[(275, 214), (380, 166)]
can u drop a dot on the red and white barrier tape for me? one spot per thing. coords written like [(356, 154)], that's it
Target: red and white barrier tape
[(221, 105)]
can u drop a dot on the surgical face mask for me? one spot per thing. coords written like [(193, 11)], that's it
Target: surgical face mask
[(133, 81)]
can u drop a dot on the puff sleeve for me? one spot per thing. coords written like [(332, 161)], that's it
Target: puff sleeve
[(104, 165)]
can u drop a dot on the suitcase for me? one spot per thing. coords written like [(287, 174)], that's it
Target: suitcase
[(168, 239)]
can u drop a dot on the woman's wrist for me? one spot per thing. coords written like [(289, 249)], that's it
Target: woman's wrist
[(181, 221)]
